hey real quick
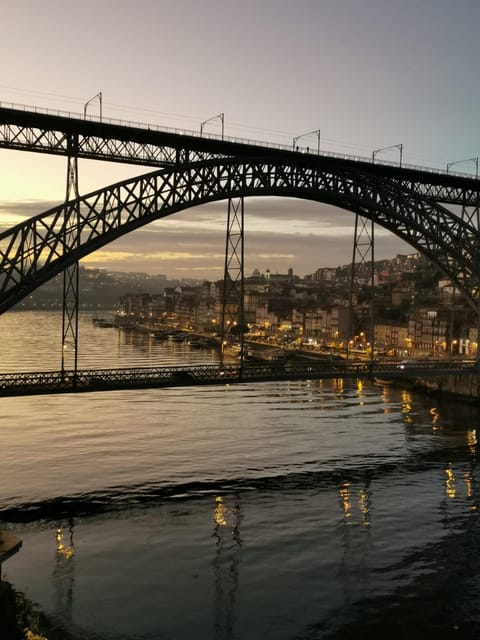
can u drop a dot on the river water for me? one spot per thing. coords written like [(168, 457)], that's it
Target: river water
[(275, 511)]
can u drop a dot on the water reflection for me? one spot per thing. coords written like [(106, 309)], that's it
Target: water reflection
[(450, 489), (339, 387), (472, 441), (228, 544), (364, 505), (355, 564), (347, 502), (435, 418), (469, 475), (406, 407), (360, 393), (386, 399), (63, 572)]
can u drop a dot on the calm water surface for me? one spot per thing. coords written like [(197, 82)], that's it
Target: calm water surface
[(301, 510)]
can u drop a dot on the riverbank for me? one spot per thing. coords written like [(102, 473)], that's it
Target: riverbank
[(454, 387), (464, 386), (21, 619), (9, 627)]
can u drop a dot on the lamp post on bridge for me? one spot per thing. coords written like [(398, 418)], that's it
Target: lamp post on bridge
[(393, 146), (309, 133), (221, 116), (475, 160), (95, 97)]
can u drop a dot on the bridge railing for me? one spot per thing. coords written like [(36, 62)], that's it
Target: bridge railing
[(144, 377), (233, 139)]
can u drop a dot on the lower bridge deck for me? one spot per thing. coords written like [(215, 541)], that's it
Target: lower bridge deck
[(88, 380)]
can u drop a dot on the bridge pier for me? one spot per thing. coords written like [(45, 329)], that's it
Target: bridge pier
[(70, 275), (233, 276), (363, 267)]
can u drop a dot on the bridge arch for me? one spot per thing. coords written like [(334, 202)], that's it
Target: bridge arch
[(37, 249)]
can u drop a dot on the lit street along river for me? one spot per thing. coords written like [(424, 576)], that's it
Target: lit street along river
[(273, 511)]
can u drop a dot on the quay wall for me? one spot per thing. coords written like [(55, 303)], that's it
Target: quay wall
[(467, 386)]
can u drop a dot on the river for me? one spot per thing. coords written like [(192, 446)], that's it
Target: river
[(274, 511)]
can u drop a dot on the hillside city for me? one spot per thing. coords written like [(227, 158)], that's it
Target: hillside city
[(416, 311)]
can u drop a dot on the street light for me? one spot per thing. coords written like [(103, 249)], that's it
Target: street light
[(219, 115), (475, 160), (99, 96), (315, 131), (393, 146)]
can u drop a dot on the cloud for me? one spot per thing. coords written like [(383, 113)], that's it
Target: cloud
[(172, 256), (279, 233), (13, 213), (267, 210)]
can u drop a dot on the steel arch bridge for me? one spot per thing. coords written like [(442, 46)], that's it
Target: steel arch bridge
[(411, 202), (35, 250)]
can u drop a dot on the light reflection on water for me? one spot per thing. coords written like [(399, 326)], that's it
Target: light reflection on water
[(316, 509)]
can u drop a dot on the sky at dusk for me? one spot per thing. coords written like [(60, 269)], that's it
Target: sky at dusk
[(367, 73)]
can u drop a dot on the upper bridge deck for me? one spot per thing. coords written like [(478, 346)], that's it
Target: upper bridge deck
[(40, 130)]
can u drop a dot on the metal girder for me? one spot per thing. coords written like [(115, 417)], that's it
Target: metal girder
[(85, 380), (43, 133), (471, 215), (34, 251), (97, 147), (70, 233), (233, 280), (70, 317), (363, 272), (444, 193), (140, 144)]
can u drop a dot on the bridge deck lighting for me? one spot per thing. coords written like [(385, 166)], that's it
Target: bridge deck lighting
[(220, 116), (393, 146), (475, 160), (309, 133), (95, 97)]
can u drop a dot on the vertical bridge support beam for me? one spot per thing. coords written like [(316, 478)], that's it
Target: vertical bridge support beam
[(233, 318), (71, 235), (362, 271), (471, 216)]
